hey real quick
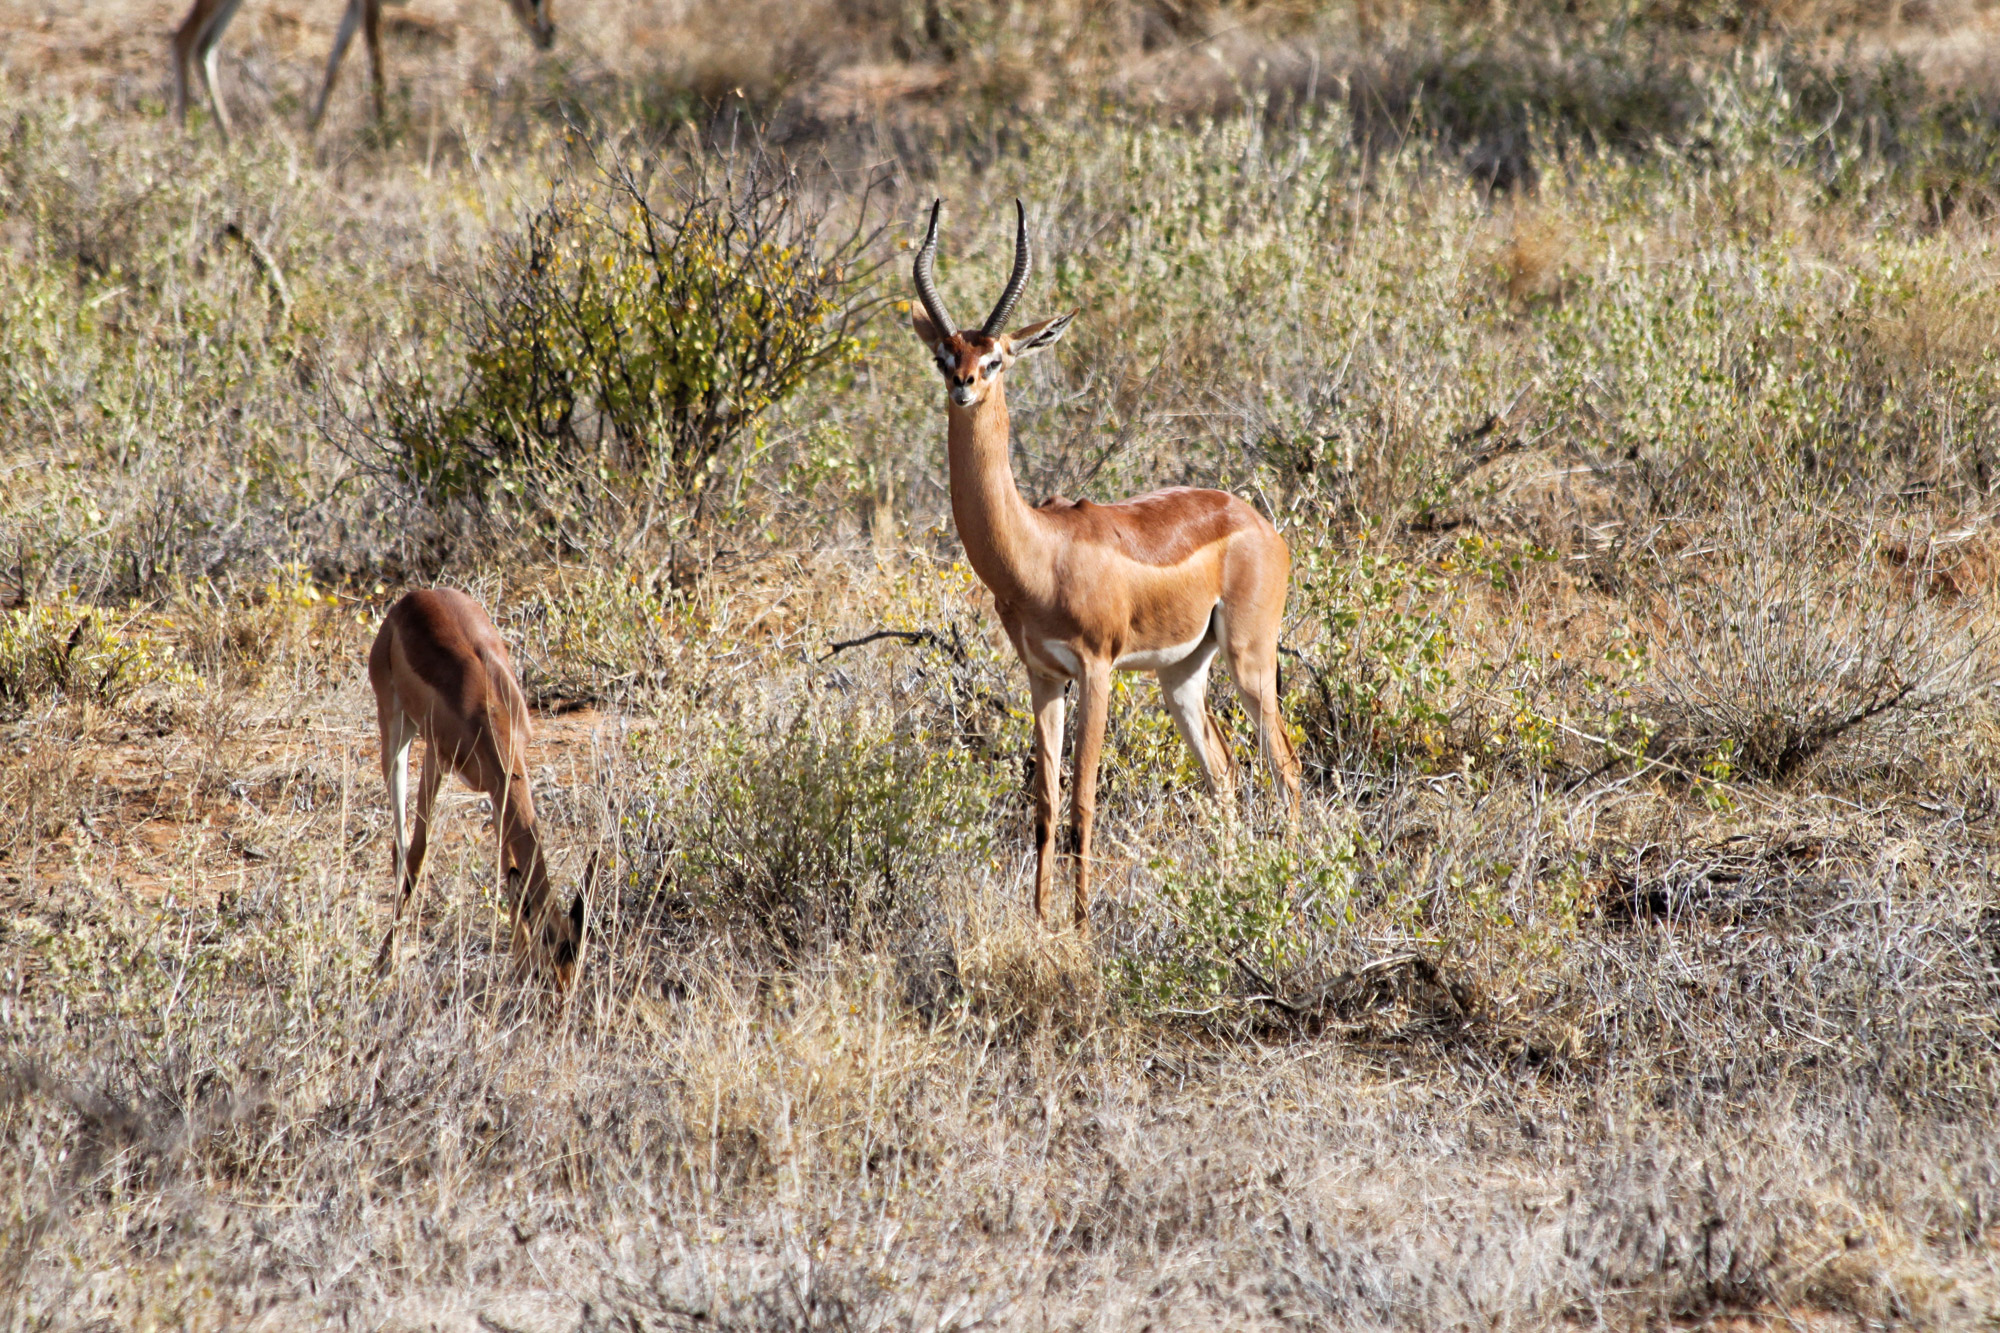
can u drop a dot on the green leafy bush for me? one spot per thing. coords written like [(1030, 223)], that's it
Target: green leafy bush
[(1382, 690), (626, 339), (1394, 665), (821, 832), (1255, 914), (72, 651), (602, 634)]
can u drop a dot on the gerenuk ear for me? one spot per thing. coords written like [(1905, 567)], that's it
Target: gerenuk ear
[(927, 332), (1037, 336)]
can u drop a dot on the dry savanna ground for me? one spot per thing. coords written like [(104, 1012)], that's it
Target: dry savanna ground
[(1622, 374)]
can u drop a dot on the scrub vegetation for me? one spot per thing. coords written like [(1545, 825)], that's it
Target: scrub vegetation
[(1622, 374)]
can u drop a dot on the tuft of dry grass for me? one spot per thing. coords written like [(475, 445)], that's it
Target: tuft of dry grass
[(1780, 650)]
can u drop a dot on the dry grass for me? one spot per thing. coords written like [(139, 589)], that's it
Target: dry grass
[(1664, 1068), (1638, 958)]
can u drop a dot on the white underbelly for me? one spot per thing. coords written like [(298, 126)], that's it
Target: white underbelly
[(1057, 653), (1055, 650), (1152, 659)]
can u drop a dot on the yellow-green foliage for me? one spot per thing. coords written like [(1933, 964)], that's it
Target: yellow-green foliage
[(1388, 640), (289, 620), (625, 339), (1393, 658), (73, 651), (830, 828), (598, 633), (1257, 912)]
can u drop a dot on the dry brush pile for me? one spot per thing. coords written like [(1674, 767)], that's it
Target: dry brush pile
[(1637, 961)]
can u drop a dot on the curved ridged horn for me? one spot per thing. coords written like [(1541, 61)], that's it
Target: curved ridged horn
[(926, 288), (1015, 280)]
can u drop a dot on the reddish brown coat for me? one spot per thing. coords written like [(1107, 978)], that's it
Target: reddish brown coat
[(1163, 583), (441, 673)]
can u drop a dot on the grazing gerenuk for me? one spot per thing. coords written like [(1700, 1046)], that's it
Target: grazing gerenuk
[(1158, 583), (441, 672), (195, 43)]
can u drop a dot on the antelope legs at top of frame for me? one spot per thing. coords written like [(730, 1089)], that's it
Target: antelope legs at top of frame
[(195, 47)]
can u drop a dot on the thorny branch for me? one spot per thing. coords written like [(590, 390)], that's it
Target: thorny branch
[(954, 649)]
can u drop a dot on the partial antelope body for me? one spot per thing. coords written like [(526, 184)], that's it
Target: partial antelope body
[(1161, 583), (196, 39), (440, 672)]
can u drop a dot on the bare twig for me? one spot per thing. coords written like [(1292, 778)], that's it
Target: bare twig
[(953, 648), (266, 265)]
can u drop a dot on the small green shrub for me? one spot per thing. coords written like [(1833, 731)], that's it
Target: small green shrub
[(1381, 691), (625, 339), (72, 651), (1394, 664), (592, 633), (287, 620), (822, 832), (1256, 913)]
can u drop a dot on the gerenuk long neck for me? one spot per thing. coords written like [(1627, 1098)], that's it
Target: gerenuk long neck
[(995, 525)]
